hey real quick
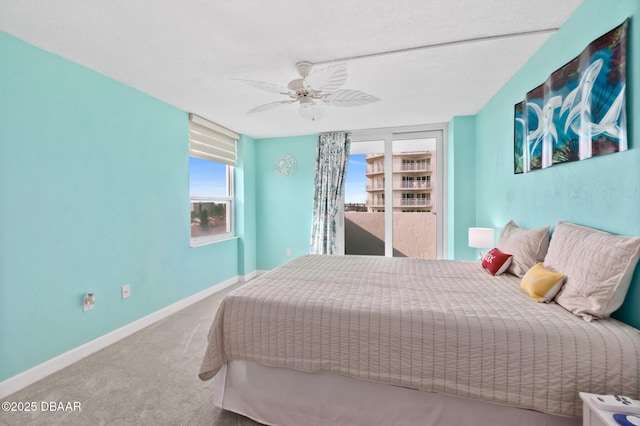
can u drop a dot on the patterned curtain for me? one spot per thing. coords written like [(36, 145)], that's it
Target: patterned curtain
[(331, 171)]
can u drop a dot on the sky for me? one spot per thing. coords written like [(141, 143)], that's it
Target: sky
[(355, 187), (206, 178)]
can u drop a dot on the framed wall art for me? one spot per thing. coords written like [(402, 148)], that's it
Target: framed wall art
[(580, 111)]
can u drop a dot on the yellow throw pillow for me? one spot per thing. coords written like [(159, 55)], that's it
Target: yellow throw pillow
[(542, 284)]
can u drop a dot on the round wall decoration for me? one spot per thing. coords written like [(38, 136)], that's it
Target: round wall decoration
[(285, 165)]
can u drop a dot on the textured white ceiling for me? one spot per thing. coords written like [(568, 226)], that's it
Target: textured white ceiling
[(187, 52)]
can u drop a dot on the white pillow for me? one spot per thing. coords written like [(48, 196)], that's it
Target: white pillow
[(598, 267), (528, 246)]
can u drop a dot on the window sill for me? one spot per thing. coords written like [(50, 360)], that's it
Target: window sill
[(205, 241)]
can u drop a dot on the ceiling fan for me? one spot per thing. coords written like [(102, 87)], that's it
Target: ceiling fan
[(314, 89)]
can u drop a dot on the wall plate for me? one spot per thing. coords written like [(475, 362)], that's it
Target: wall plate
[(285, 165)]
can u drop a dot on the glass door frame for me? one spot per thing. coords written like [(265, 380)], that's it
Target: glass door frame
[(390, 134)]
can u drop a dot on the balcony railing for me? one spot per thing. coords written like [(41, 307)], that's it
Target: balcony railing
[(422, 202), (375, 187), (415, 167), (376, 168), (375, 203), (415, 185)]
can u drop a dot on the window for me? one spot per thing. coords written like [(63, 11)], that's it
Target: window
[(211, 199), (212, 156)]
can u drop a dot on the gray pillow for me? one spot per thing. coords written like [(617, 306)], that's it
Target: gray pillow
[(528, 246)]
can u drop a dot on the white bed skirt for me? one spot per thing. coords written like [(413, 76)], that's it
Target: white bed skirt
[(284, 397)]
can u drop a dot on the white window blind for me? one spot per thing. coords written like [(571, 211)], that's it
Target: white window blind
[(210, 141)]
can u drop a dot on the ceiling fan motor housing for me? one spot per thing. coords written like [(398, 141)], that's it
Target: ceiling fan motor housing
[(304, 68)]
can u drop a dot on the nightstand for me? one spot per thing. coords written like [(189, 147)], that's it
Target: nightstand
[(593, 416)]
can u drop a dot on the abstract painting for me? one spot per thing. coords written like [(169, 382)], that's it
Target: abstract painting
[(580, 110)]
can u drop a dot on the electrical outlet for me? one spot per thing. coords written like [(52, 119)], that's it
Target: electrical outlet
[(126, 291), (87, 302)]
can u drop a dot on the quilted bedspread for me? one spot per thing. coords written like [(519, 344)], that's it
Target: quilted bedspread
[(432, 325)]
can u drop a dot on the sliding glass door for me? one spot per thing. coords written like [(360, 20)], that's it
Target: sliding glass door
[(394, 194), (414, 216)]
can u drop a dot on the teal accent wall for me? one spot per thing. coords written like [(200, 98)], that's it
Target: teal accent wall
[(461, 186), (602, 192), (245, 199), (94, 193), (284, 205)]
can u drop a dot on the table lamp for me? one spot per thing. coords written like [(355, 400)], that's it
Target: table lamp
[(481, 238)]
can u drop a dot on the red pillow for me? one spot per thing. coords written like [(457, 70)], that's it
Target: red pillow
[(496, 261)]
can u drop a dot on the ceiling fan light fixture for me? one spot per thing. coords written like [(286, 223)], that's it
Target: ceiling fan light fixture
[(311, 110)]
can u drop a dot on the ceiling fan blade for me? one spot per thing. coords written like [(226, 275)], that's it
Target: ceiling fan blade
[(347, 98), (269, 87), (328, 79), (271, 105)]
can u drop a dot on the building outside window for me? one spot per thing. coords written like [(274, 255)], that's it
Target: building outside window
[(411, 171)]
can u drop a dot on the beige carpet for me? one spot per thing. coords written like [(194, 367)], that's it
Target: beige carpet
[(148, 378)]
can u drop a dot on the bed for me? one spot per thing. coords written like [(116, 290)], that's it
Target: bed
[(375, 340)]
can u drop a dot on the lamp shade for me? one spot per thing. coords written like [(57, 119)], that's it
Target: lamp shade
[(480, 237), (310, 109)]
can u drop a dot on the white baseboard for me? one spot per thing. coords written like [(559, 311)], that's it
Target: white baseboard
[(251, 275), (24, 379), (248, 277)]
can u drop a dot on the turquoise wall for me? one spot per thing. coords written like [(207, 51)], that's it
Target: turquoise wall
[(94, 190), (245, 199), (461, 187), (284, 205), (602, 192)]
